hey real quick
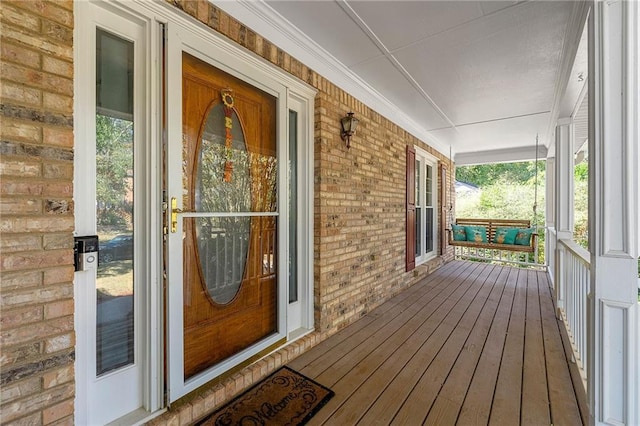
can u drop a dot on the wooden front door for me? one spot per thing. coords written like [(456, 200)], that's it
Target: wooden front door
[(229, 219)]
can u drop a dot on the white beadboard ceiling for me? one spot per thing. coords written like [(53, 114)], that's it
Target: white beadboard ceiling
[(480, 77)]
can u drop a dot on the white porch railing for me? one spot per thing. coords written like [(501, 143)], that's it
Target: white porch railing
[(549, 253), (572, 290)]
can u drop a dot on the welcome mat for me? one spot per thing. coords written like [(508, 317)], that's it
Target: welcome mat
[(286, 397)]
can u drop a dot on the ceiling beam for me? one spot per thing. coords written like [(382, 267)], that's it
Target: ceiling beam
[(507, 155)]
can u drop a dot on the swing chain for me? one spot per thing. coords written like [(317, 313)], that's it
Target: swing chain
[(535, 189)]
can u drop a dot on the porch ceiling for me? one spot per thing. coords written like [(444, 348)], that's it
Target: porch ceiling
[(481, 77)]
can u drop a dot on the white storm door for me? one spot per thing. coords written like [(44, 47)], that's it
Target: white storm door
[(227, 211)]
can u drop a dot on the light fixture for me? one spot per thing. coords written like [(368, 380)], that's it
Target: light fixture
[(349, 124)]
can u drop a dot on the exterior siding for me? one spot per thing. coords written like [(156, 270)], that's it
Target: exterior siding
[(359, 223), (36, 207)]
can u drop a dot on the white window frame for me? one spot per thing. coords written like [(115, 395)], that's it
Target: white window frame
[(424, 158), (300, 312)]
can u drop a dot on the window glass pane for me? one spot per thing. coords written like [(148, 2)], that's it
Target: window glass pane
[(428, 228), (293, 203), (429, 185), (114, 203), (418, 183), (418, 232)]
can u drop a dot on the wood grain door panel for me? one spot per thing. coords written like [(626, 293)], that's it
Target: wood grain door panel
[(215, 331)]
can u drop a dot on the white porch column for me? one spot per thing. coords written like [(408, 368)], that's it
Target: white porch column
[(550, 241), (612, 369), (563, 201)]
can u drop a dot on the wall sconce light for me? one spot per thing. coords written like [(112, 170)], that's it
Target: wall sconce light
[(349, 124)]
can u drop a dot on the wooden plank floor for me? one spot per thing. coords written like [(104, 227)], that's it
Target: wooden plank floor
[(472, 344)]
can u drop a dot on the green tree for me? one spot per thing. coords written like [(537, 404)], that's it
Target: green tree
[(488, 174), (580, 203), (114, 170)]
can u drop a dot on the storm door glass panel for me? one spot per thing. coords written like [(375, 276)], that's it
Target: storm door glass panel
[(429, 209), (114, 202), (293, 203)]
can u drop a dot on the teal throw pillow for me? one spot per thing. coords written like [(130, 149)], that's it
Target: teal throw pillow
[(523, 238), (505, 236), (459, 233), (477, 234)]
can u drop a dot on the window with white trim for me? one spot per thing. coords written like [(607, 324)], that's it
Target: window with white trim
[(426, 198)]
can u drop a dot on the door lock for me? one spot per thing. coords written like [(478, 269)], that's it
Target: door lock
[(174, 214)]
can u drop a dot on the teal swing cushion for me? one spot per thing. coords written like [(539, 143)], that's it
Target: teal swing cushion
[(505, 236), (523, 237), (459, 233), (477, 234)]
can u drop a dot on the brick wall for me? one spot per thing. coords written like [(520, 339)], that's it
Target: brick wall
[(36, 222)]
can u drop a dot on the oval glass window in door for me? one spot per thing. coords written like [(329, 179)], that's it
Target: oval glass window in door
[(222, 185)]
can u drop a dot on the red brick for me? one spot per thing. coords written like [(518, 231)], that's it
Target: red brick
[(58, 275), (57, 84), (36, 187), (59, 103), (36, 331), (38, 259), (57, 32), (19, 55), (38, 43), (54, 10), (37, 402), (20, 389), (56, 66), (22, 316), (14, 206), (19, 243), (58, 377), (57, 241), (57, 170), (16, 93), (66, 421), (57, 137), (34, 419), (20, 167), (21, 131), (35, 295), (36, 224), (13, 280), (58, 309), (19, 18), (59, 343)]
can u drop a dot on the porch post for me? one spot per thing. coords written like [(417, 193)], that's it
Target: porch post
[(612, 323), (563, 201), (550, 218)]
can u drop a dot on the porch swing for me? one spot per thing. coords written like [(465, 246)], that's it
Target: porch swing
[(513, 235)]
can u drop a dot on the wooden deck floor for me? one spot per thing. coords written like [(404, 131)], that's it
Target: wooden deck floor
[(473, 344)]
